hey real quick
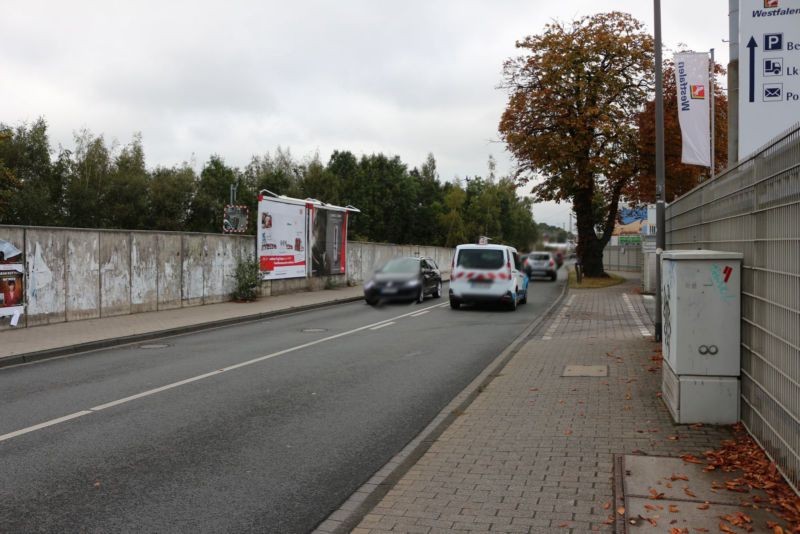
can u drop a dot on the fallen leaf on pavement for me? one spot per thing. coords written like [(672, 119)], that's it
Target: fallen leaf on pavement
[(673, 509), (689, 492), (704, 506), (700, 529), (725, 528), (655, 494), (650, 507), (567, 432), (691, 459), (679, 476), (606, 505), (621, 510), (563, 525)]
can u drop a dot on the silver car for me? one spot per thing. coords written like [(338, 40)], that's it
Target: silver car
[(541, 264)]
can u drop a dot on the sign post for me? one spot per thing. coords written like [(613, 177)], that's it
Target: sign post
[(769, 81)]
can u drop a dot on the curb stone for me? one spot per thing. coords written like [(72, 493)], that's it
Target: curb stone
[(365, 498)]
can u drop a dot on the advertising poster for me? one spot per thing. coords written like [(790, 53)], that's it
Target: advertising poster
[(330, 242), (281, 239), (12, 280)]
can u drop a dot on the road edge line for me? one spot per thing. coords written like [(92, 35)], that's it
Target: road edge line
[(350, 512)]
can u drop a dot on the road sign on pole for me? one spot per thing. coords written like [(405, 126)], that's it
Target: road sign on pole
[(769, 48)]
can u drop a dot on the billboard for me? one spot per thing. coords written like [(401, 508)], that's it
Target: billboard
[(281, 238), (329, 248), (769, 71)]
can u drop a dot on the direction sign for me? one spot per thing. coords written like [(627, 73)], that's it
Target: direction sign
[(769, 70)]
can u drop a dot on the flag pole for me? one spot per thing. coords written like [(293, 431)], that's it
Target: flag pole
[(713, 115)]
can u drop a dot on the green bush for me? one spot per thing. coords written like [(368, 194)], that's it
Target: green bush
[(248, 277)]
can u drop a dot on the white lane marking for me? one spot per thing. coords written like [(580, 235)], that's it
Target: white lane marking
[(420, 313), (51, 422), (557, 320), (642, 330), (390, 323)]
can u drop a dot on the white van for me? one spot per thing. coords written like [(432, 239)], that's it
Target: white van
[(487, 273)]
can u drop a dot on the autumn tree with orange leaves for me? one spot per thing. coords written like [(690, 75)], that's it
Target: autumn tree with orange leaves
[(679, 178), (571, 119)]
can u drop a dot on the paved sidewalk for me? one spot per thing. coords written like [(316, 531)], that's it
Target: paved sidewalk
[(534, 452), (37, 341)]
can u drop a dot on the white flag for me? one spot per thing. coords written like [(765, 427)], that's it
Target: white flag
[(692, 82)]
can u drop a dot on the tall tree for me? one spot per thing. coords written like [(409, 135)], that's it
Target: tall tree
[(680, 178), (171, 193), (451, 220), (127, 197), (213, 192), (570, 121), (88, 182), (34, 186)]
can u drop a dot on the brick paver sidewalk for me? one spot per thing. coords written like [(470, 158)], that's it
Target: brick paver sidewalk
[(534, 452)]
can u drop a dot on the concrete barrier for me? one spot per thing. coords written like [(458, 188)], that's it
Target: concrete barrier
[(75, 274)]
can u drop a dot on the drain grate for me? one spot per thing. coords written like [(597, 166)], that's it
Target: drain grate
[(150, 346), (585, 370)]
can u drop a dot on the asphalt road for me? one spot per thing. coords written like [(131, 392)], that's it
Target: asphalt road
[(261, 427)]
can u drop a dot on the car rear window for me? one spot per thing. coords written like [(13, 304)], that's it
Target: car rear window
[(481, 259), (540, 257)]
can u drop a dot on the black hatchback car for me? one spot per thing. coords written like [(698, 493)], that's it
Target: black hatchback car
[(405, 278)]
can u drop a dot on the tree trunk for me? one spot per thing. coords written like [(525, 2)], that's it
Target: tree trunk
[(590, 247)]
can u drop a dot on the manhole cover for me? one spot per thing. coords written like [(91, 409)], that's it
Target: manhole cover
[(154, 346), (585, 370), (314, 330)]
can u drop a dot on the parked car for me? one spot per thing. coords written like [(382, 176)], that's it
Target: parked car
[(487, 273), (404, 278), (541, 264)]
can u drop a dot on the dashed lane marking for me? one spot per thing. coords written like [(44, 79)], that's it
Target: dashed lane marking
[(147, 393)]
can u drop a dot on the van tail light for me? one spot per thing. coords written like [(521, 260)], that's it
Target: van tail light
[(508, 266)]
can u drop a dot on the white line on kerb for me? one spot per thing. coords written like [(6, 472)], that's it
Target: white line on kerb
[(51, 422), (642, 330)]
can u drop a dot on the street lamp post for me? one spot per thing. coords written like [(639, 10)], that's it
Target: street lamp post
[(660, 192)]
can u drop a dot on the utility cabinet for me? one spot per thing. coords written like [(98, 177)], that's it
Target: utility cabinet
[(701, 312)]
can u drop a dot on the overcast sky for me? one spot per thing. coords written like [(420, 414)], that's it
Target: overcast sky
[(241, 78)]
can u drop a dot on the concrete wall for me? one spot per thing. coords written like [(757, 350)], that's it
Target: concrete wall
[(364, 258), (75, 274)]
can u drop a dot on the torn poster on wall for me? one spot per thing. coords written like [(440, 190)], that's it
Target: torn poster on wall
[(12, 283)]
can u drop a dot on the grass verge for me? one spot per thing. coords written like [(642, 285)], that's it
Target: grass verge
[(593, 283)]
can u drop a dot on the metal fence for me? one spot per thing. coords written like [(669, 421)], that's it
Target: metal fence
[(622, 258), (754, 209)]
